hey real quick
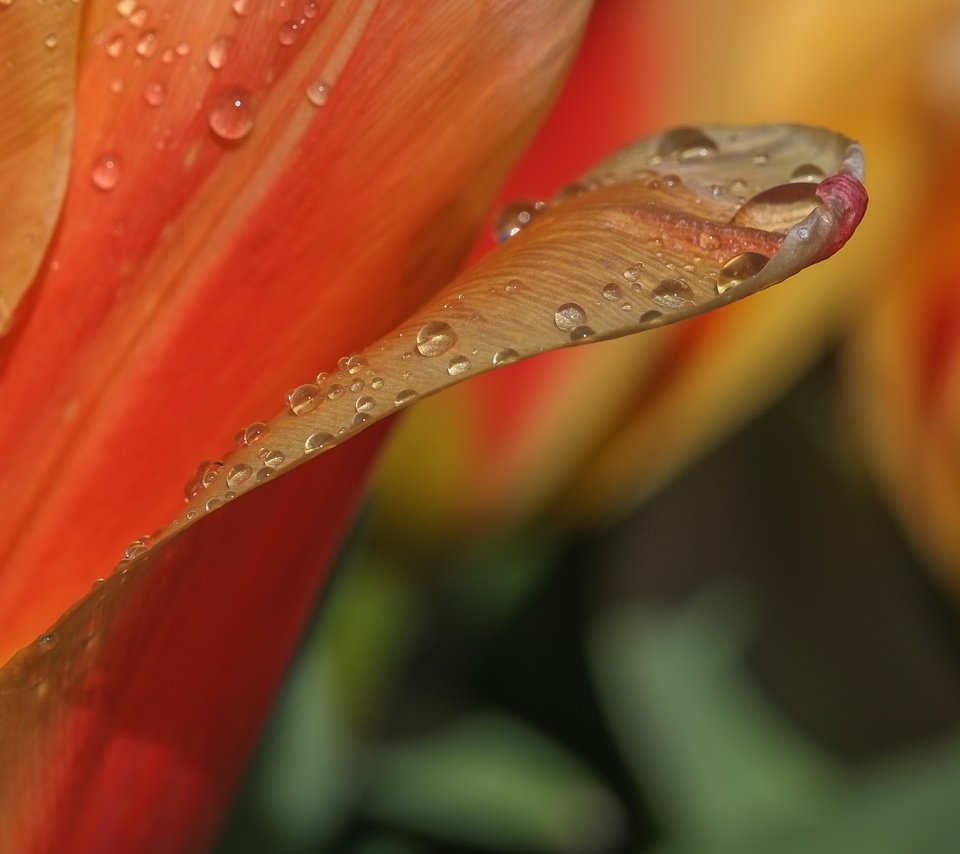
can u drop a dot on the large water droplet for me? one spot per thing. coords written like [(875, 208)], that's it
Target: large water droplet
[(355, 364), (505, 357), (633, 272), (217, 52), (231, 114), (581, 333), (778, 208), (318, 92), (336, 391), (365, 404), (807, 172), (686, 144), (304, 398), (289, 32), (251, 435), (738, 268), (106, 171), (458, 365), (650, 316), (514, 217), (212, 503), (673, 294), (404, 397), (435, 338), (238, 474), (274, 459), (569, 316), (316, 441), (611, 292)]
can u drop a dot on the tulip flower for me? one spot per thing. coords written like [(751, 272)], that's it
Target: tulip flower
[(230, 224)]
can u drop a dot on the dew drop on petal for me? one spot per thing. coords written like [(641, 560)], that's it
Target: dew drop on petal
[(106, 171), (435, 338), (317, 92), (217, 52), (376, 383), (51, 41), (514, 217), (274, 459), (513, 286), (633, 272), (686, 144), (673, 294), (365, 404), (807, 172), (335, 392), (611, 292), (47, 642), (240, 7), (569, 316), (356, 386), (581, 333), (316, 441), (230, 114), (212, 504), (115, 48), (154, 93), (738, 268), (505, 357), (147, 44), (458, 365), (264, 473), (404, 397), (304, 398), (289, 32), (237, 474), (355, 364), (251, 435), (650, 316), (778, 208)]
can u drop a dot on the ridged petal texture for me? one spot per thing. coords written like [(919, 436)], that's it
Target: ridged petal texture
[(257, 187), (37, 56)]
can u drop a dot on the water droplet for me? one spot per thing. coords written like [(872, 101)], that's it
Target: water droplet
[(316, 441), (212, 504), (686, 144), (359, 418), (147, 44), (217, 52), (238, 474), (458, 365), (671, 181), (376, 383), (317, 92), (365, 404), (251, 435), (355, 364), (514, 217), (304, 398), (778, 208), (612, 292), (761, 159), (229, 495), (569, 316), (335, 392), (137, 548), (47, 642), (571, 191), (230, 114), (125, 7), (673, 294), (435, 338), (356, 386), (289, 32), (138, 18), (807, 172), (580, 333), (192, 514), (404, 397), (513, 286), (154, 93), (207, 472), (241, 7), (274, 459), (633, 273), (51, 41), (505, 357), (650, 316), (310, 9), (738, 268), (264, 473), (106, 172), (115, 48)]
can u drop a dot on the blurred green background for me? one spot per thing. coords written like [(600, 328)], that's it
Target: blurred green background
[(752, 661)]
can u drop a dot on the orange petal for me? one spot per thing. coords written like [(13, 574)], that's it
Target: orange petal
[(191, 270), (37, 43)]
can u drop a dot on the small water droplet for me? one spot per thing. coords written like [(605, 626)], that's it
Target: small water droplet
[(237, 474), (154, 93), (212, 504), (376, 383), (192, 514), (51, 41), (311, 9), (207, 472), (571, 191), (316, 441), (673, 294), (251, 435), (264, 473), (686, 143), (356, 386), (435, 338), (580, 333), (115, 48), (365, 404), (514, 217), (335, 392), (671, 181), (138, 18), (359, 418), (612, 292), (761, 159), (778, 208), (458, 365), (137, 548), (47, 642), (318, 92), (513, 286), (231, 114), (240, 7), (274, 459), (650, 316), (738, 268), (404, 397), (289, 32), (569, 316), (229, 495), (106, 171), (218, 52), (634, 272), (147, 44), (505, 357), (807, 172), (304, 398), (125, 7), (355, 364)]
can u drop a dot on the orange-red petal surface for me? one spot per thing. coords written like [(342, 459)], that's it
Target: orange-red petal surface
[(193, 273)]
